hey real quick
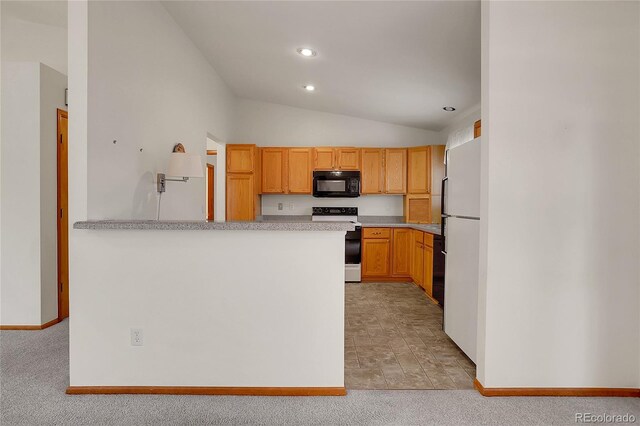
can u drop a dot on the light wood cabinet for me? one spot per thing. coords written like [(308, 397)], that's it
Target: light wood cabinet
[(376, 232), (300, 170), (417, 257), (376, 253), (418, 170), (395, 166), (401, 253), (477, 129), (348, 158), (339, 158), (417, 208), (241, 197), (274, 170), (324, 158), (372, 171), (241, 158)]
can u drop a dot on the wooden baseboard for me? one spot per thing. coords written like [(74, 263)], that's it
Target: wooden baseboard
[(206, 390), (30, 327), (617, 392), (385, 279)]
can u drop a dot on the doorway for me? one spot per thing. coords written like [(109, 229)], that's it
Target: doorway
[(211, 189), (63, 217)]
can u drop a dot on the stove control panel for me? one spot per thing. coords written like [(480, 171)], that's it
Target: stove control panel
[(335, 211)]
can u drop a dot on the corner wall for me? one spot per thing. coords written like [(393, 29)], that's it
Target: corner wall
[(31, 95), (560, 277)]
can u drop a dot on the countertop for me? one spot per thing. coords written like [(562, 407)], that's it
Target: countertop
[(291, 224), (366, 221)]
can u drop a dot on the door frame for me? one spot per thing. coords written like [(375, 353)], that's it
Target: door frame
[(211, 190), (62, 213)]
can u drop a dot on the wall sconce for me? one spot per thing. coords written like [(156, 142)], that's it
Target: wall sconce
[(181, 165)]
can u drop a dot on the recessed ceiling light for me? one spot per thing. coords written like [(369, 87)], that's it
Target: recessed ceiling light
[(309, 87), (449, 109), (305, 51)]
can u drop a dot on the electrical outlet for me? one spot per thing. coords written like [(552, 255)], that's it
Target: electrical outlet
[(137, 337), (280, 206)]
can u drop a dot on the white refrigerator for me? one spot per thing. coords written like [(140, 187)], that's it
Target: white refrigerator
[(461, 233)]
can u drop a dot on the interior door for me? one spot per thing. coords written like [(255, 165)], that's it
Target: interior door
[(211, 187), (461, 283), (63, 216)]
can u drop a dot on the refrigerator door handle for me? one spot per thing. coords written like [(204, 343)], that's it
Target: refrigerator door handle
[(444, 214), (442, 197), (442, 226)]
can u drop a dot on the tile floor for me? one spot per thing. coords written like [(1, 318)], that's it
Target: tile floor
[(394, 340)]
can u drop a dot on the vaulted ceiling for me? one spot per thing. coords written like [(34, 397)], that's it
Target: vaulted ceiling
[(391, 61)]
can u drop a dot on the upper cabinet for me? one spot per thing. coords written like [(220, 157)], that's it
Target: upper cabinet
[(274, 170), (330, 158), (286, 170), (300, 170), (324, 158), (395, 163), (348, 158), (241, 158), (477, 129), (419, 173), (372, 171)]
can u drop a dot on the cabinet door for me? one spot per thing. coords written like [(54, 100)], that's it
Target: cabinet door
[(401, 263), (375, 257), (240, 197), (324, 158), (372, 171), (240, 158), (417, 257), (427, 279), (417, 208), (299, 166), (348, 158), (395, 167), (418, 170), (274, 170)]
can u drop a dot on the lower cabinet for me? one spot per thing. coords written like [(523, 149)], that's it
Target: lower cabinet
[(376, 254), (401, 256), (397, 254)]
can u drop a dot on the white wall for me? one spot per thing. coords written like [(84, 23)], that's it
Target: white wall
[(31, 94), (24, 41), (560, 276), (149, 88), (270, 324), (368, 205), (268, 124)]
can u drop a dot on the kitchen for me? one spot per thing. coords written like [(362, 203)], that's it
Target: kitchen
[(390, 260)]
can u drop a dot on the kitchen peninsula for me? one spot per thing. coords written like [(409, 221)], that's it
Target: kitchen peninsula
[(222, 308)]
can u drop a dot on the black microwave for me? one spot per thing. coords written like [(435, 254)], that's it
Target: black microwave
[(336, 184)]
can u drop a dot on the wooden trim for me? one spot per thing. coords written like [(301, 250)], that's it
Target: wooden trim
[(617, 392), (212, 152), (62, 215), (206, 390), (477, 129), (385, 279), (30, 327), (211, 188)]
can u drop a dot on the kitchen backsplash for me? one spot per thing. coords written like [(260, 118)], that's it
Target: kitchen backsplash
[(368, 205)]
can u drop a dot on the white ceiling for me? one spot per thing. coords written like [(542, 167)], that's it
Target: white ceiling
[(391, 61)]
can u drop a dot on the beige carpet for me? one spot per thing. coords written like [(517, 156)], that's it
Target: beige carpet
[(34, 369)]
